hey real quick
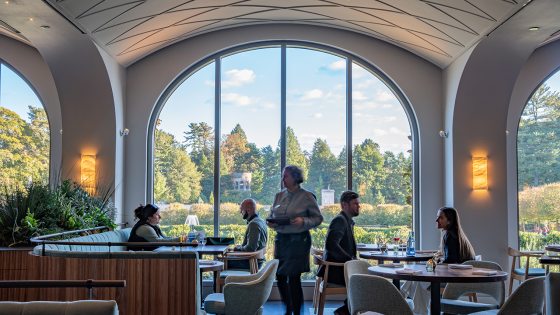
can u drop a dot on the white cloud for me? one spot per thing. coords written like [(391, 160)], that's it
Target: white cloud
[(237, 99), (359, 71), (358, 96), (312, 95), (238, 77), (397, 131), (318, 115), (365, 105), (384, 96), (379, 132), (338, 65)]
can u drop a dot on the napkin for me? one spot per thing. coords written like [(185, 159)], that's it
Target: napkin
[(407, 271), (392, 265), (360, 245), (459, 266), (484, 272)]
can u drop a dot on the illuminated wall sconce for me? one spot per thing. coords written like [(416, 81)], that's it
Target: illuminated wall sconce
[(480, 172), (87, 173)]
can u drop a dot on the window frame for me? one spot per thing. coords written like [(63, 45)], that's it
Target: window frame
[(216, 58)]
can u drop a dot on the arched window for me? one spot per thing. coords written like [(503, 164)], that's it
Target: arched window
[(538, 164), (226, 128), (24, 133)]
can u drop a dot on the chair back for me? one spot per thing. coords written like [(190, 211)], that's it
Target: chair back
[(354, 267), (527, 299), (316, 252), (376, 294), (496, 290), (84, 307), (248, 297), (552, 289)]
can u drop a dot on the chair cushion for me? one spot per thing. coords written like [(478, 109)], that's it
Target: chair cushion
[(232, 272), (85, 307), (410, 303), (215, 304), (533, 272), (465, 307)]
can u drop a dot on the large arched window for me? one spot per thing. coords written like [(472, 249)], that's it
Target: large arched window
[(538, 158), (225, 129), (24, 133)]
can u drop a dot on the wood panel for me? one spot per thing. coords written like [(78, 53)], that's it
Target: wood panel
[(153, 286)]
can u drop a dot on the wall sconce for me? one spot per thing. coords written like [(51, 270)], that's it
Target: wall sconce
[(87, 173), (124, 132), (480, 172)]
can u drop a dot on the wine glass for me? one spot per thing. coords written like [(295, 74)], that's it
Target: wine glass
[(397, 239)]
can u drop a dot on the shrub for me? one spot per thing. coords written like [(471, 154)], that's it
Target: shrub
[(39, 209)]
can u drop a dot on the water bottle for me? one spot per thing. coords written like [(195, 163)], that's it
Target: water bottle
[(411, 245)]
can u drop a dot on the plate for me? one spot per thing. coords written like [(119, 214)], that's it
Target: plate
[(392, 265)]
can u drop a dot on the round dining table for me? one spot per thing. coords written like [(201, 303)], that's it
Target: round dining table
[(442, 274), (381, 257), (553, 248)]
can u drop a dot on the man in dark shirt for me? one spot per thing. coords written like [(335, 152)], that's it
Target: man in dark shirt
[(340, 245), (255, 237)]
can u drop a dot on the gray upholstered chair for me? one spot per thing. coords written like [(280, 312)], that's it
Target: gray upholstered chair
[(451, 304), (527, 299), (552, 289), (376, 294), (355, 267), (243, 295), (86, 307)]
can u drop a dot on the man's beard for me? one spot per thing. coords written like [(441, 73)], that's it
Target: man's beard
[(245, 216)]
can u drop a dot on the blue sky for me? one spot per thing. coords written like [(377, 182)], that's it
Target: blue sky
[(251, 97)]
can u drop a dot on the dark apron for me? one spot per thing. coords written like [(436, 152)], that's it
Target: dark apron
[(292, 251)]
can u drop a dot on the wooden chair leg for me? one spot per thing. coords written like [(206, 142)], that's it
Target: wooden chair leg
[(321, 303), (315, 294)]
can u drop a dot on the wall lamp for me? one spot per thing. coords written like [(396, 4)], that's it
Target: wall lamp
[(88, 173), (480, 172)]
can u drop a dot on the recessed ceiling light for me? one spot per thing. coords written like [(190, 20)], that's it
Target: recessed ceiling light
[(31, 19), (45, 26), (534, 28)]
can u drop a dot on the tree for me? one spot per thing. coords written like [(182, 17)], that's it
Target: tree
[(271, 175), (322, 167), (539, 139), (233, 148), (199, 140), (368, 171), (294, 154), (397, 185), (39, 133), (16, 150), (182, 178)]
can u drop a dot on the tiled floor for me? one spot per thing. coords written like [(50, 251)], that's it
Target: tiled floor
[(275, 307)]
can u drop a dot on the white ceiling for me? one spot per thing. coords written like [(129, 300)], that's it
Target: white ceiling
[(437, 30)]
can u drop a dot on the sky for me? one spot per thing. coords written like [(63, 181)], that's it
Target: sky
[(315, 101), (251, 97)]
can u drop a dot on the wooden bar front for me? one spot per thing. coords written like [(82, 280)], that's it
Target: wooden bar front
[(153, 286)]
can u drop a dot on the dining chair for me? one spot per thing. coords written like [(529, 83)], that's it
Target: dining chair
[(318, 252), (523, 273), (375, 294), (243, 295), (326, 288), (354, 267), (527, 299), (552, 292), (252, 257), (452, 304)]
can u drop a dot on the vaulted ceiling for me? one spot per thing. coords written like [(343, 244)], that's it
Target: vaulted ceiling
[(437, 30)]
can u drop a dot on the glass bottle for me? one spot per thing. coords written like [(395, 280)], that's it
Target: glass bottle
[(411, 245)]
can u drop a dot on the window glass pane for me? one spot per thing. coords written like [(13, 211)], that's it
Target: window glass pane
[(24, 133), (250, 127), (382, 162), (538, 152), (316, 127), (184, 156)]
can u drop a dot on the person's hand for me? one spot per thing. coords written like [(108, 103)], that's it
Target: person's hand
[(297, 221)]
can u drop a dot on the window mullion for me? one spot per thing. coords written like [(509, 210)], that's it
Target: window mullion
[(217, 132), (283, 147), (349, 123)]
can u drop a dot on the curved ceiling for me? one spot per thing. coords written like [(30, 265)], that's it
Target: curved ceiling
[(437, 30)]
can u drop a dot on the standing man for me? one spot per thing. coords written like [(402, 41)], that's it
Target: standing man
[(340, 245), (256, 234)]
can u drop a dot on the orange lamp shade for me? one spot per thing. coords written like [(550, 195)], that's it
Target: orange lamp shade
[(88, 173), (480, 172)]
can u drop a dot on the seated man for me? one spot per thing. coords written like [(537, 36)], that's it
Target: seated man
[(340, 245), (255, 237)]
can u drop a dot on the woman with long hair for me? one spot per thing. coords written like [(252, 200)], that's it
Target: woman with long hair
[(455, 245), (147, 228)]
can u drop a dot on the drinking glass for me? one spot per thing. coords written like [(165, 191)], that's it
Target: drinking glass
[(396, 249)]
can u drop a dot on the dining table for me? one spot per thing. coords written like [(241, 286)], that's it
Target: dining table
[(441, 274), (202, 250), (381, 257), (553, 248)]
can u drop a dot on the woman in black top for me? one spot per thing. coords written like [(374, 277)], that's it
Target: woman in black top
[(147, 228), (455, 245)]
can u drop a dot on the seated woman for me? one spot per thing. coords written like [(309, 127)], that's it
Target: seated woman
[(147, 229), (455, 245)]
